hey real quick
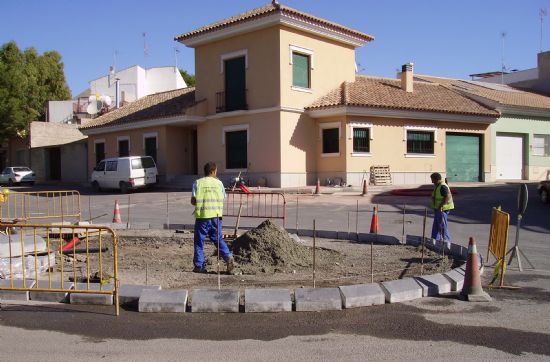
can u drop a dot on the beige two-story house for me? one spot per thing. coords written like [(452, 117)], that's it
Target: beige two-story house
[(278, 98)]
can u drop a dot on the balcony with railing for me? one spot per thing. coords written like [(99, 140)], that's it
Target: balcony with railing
[(234, 101)]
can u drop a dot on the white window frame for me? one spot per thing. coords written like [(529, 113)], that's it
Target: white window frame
[(330, 125), (419, 128), (353, 125), (123, 138), (233, 128), (304, 51), (154, 135), (546, 145), (232, 55)]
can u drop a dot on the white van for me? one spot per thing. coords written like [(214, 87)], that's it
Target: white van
[(125, 173)]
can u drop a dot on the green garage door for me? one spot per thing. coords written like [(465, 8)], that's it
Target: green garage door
[(463, 157)]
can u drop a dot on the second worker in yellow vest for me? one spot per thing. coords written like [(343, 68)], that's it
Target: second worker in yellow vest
[(441, 203)]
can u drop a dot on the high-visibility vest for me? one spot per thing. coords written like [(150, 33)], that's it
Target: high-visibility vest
[(209, 198), (437, 198)]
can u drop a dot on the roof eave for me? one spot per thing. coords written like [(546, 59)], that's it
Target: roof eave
[(524, 111), (277, 18), (182, 120), (343, 110)]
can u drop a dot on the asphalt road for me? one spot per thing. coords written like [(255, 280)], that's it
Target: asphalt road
[(514, 325)]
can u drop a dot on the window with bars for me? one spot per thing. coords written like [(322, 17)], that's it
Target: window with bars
[(540, 145), (361, 139), (301, 64), (420, 142), (331, 140)]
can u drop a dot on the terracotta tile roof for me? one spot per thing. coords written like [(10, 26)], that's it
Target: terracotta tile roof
[(502, 94), (268, 10), (386, 93), (154, 106)]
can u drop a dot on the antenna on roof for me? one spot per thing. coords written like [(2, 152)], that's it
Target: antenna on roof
[(145, 48), (176, 53), (542, 13), (502, 66)]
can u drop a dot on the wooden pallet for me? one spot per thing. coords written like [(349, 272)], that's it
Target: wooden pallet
[(380, 175)]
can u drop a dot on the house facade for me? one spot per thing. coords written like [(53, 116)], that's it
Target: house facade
[(521, 136), (161, 125), (284, 64), (278, 99)]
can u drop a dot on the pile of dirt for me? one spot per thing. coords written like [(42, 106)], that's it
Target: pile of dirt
[(269, 245)]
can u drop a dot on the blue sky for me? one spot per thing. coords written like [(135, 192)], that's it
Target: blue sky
[(441, 37)]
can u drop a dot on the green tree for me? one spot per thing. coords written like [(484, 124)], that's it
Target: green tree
[(188, 78), (27, 81)]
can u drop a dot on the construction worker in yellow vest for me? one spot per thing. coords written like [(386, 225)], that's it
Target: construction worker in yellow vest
[(207, 196), (442, 204)]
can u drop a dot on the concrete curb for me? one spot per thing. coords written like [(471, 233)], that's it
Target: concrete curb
[(154, 299)]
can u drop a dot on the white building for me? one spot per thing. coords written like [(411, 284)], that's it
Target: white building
[(536, 79), (136, 82)]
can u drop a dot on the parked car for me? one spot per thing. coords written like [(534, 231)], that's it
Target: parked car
[(125, 173), (17, 175), (544, 191)]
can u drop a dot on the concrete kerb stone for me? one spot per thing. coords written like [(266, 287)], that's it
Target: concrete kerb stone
[(458, 251), (214, 300), (317, 299), (401, 290), (433, 285), (13, 294), (59, 297), (163, 301), (130, 293), (379, 239), (362, 295), (456, 278), (267, 300), (91, 298)]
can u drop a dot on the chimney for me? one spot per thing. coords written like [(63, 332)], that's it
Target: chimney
[(407, 77)]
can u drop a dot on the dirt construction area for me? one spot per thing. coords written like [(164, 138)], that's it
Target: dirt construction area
[(266, 256)]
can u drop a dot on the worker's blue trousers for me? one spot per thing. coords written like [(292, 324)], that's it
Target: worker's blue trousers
[(211, 228), (440, 228)]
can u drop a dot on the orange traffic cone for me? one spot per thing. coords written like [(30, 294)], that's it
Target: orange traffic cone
[(116, 213), (374, 225), (364, 193), (472, 289), (318, 188)]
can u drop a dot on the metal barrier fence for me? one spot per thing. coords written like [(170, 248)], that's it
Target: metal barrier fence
[(270, 205), (59, 258), (25, 206)]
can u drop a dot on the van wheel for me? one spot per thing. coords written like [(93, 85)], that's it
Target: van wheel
[(95, 186), (544, 196), (123, 187)]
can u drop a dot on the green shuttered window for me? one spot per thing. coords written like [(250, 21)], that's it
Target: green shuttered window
[(300, 70)]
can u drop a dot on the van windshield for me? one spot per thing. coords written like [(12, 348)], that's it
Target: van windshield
[(142, 162)]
